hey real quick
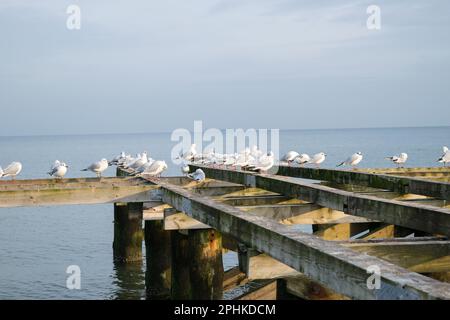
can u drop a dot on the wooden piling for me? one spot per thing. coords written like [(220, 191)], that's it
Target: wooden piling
[(181, 283), (128, 235), (206, 266), (197, 266), (158, 258)]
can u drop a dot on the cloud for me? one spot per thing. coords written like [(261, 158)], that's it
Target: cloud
[(212, 56)]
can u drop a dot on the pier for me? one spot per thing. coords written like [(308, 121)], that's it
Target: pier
[(390, 225)]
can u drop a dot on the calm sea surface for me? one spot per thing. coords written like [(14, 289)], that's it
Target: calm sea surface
[(38, 244)]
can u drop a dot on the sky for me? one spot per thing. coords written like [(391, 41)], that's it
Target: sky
[(154, 66)]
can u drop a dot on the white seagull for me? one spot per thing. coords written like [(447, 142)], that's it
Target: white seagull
[(255, 152), (445, 158), (98, 167), (155, 169), (117, 159), (318, 158), (140, 161), (302, 159), (185, 169), (353, 160), (398, 160), (243, 159), (289, 157), (12, 170), (190, 154), (58, 169), (145, 166), (198, 175), (264, 163)]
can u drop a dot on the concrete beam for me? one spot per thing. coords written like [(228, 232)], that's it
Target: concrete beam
[(418, 256), (411, 215), (342, 269), (71, 192), (180, 221), (382, 181)]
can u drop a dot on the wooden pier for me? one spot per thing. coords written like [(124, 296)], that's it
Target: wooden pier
[(301, 233)]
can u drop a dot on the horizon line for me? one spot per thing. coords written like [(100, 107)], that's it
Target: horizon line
[(221, 129)]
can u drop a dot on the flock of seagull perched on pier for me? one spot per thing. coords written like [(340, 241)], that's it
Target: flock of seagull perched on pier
[(251, 159)]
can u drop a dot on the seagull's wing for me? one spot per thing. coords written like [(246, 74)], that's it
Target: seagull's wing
[(315, 158), (153, 168), (95, 166), (12, 168), (346, 162), (53, 171), (56, 164)]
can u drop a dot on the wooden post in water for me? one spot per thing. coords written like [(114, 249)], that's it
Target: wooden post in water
[(197, 266), (128, 235), (158, 257), (181, 281), (206, 267), (244, 255)]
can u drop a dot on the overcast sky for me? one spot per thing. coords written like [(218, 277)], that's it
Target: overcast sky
[(147, 65)]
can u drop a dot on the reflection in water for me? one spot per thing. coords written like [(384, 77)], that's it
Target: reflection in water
[(129, 281)]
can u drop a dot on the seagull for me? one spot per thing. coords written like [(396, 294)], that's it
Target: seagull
[(353, 160), (154, 170), (445, 158), (12, 170), (128, 160), (198, 175), (185, 169), (243, 159), (289, 157), (255, 153), (55, 165), (116, 160), (302, 159), (139, 162), (230, 160), (59, 169), (144, 166), (98, 167), (318, 158), (190, 154), (398, 160), (264, 163)]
